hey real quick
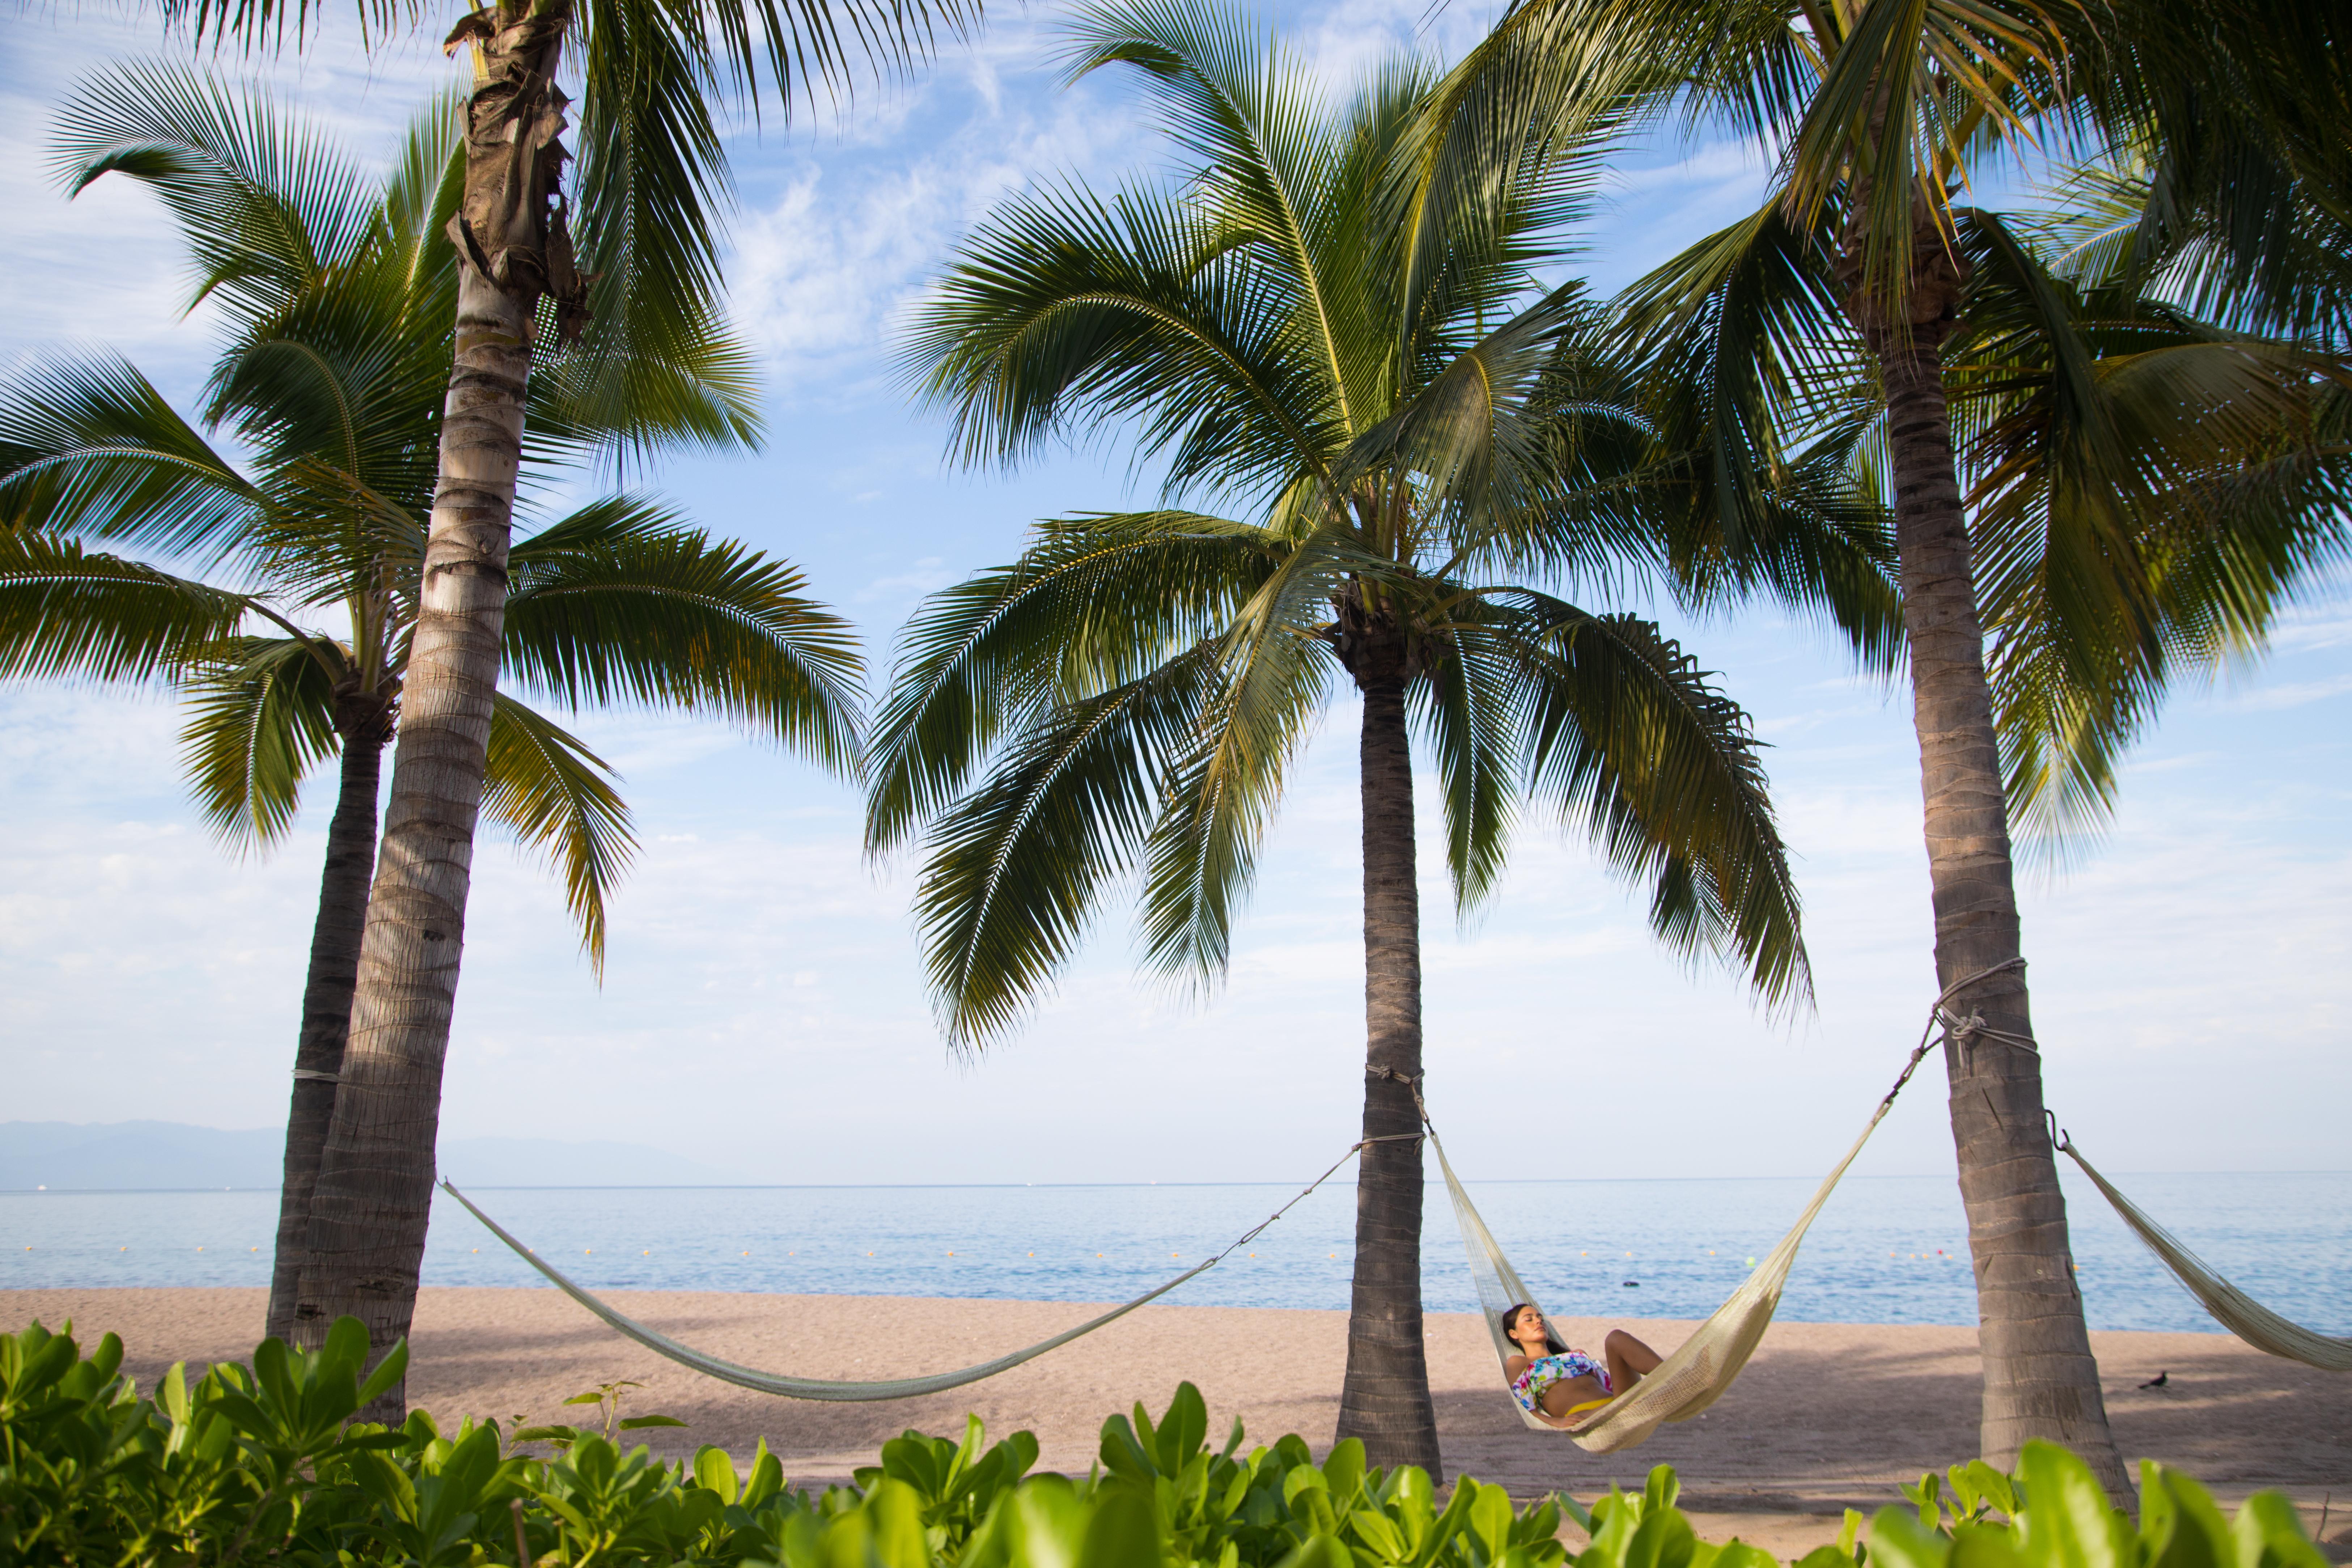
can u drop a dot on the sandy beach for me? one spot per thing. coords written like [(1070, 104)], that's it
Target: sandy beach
[(1827, 1416)]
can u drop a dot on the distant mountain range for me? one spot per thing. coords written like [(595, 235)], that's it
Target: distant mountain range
[(118, 1155)]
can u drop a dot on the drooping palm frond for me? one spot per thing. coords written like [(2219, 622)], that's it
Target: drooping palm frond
[(2229, 114), (66, 611), (659, 365), (1470, 717), (264, 203), (2147, 489), (546, 787), (1098, 602), (1274, 675), (1012, 869), (88, 447), (1628, 739), (622, 602), (260, 714)]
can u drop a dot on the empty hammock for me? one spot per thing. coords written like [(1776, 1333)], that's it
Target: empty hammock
[(790, 1387), (2230, 1307)]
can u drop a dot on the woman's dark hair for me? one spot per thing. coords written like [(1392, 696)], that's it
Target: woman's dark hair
[(1512, 1316)]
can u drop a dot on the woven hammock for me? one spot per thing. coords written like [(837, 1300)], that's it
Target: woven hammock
[(837, 1392), (2231, 1308), (1696, 1375), (1703, 1366), (790, 1387)]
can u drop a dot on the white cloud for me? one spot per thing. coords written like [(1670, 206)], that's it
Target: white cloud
[(2293, 694)]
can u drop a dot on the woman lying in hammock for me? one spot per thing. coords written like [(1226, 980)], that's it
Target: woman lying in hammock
[(1555, 1384)]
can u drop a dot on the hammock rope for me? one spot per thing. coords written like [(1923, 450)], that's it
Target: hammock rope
[(840, 1392)]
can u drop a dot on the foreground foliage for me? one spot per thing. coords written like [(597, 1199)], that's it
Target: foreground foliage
[(263, 1462)]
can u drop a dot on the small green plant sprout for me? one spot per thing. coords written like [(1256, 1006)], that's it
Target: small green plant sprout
[(606, 1397), (1976, 1490)]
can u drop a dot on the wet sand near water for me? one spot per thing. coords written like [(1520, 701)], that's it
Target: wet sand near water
[(1827, 1416)]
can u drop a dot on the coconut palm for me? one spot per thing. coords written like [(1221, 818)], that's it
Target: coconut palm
[(1419, 461), (655, 80), (2123, 466), (336, 311)]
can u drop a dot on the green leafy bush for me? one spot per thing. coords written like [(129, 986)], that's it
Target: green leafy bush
[(263, 1464)]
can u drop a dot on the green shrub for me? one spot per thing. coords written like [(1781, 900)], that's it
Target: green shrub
[(265, 1465)]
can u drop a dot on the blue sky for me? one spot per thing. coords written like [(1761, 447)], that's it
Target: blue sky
[(764, 1011)]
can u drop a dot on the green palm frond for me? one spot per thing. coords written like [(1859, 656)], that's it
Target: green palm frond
[(620, 602), (632, 387), (1909, 91), (2148, 488), (264, 203), (1012, 869), (427, 185), (658, 365), (1271, 162), (65, 612), (1066, 313), (546, 787), (261, 716), (1098, 601), (1470, 711), (1274, 675), (87, 446), (2228, 114), (1628, 740)]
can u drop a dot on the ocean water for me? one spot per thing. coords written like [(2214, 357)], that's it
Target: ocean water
[(1888, 1249)]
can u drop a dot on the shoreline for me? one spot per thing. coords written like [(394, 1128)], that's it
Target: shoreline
[(1827, 1416)]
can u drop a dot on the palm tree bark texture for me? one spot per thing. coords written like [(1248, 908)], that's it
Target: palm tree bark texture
[(364, 725), (368, 1212), (2041, 1380), (1384, 1399)]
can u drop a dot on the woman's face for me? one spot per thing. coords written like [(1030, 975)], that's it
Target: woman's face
[(1528, 1327)]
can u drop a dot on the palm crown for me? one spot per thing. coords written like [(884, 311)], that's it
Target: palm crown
[(336, 293), (1427, 446)]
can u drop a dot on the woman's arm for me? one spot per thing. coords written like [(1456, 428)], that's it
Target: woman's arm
[(1512, 1365)]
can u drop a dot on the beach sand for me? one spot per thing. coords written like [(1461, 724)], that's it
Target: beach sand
[(1827, 1416)]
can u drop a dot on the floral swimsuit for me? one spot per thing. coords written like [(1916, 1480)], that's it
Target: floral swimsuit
[(1529, 1387)]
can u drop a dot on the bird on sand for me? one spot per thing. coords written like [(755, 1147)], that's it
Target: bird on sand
[(2157, 1380)]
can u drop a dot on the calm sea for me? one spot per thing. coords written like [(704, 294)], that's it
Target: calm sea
[(1888, 1249)]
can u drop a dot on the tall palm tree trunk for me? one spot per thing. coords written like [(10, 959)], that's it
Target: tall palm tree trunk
[(370, 1210), (1385, 1399), (2040, 1379), (327, 1003)]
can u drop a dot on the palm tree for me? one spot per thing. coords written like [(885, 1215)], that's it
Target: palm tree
[(1396, 429), (337, 325), (652, 182), (1868, 307)]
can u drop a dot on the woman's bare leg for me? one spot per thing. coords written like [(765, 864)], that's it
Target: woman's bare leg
[(1568, 1394), (1630, 1360)]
